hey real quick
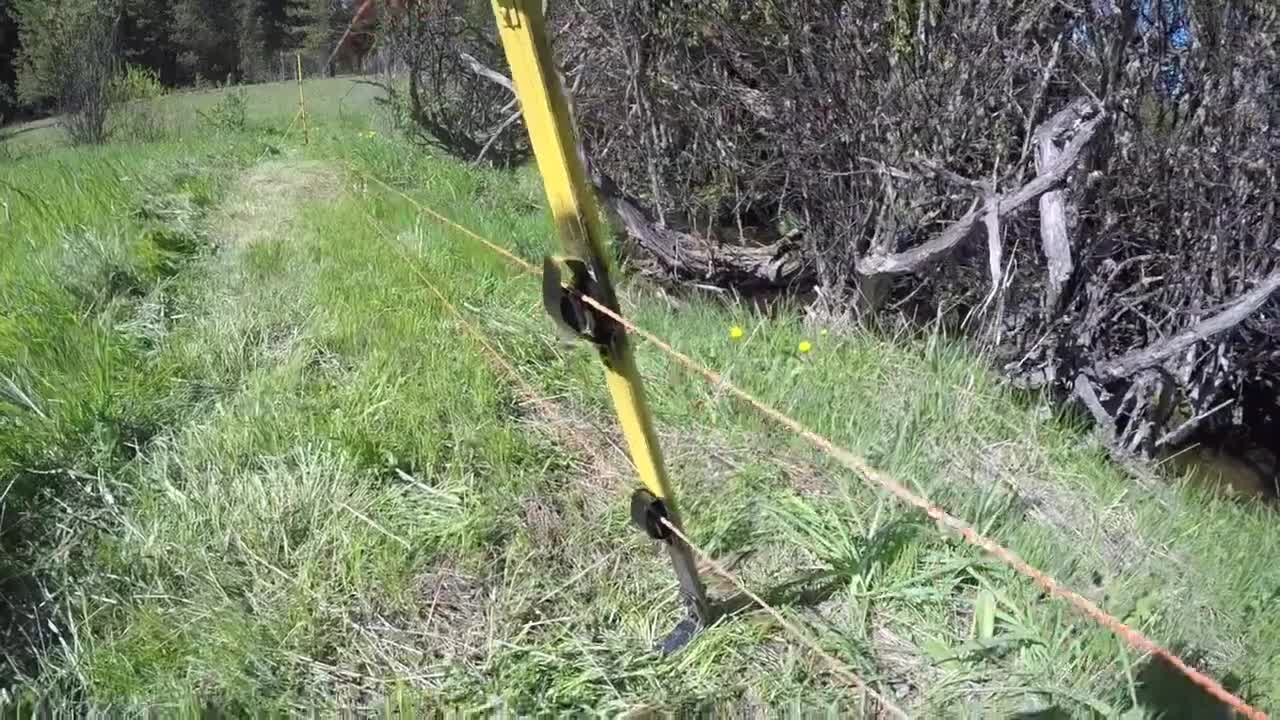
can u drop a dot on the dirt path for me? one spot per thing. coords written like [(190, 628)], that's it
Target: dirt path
[(265, 201)]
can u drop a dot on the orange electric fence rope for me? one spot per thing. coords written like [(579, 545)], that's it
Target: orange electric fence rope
[(841, 670), (861, 467)]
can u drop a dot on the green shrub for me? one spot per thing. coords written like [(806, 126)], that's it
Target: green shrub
[(135, 114), (136, 83), (230, 112)]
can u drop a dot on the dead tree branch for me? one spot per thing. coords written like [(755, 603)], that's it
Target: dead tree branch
[(922, 256), (688, 256), (1054, 240), (486, 72), (1153, 355)]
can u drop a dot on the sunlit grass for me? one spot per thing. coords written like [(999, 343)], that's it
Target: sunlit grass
[(344, 102), (251, 458)]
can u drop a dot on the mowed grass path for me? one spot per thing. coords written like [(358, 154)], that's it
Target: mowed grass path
[(253, 463)]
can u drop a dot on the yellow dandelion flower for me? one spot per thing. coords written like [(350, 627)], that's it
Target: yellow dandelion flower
[(736, 333), (804, 346)]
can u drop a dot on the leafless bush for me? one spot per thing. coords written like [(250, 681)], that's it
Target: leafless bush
[(445, 49), (816, 116), (1079, 187), (1088, 190), (86, 95), (1175, 307)]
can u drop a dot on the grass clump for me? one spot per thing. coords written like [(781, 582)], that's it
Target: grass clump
[(85, 280), (229, 113)]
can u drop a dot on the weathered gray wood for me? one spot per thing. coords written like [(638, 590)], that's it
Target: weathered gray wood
[(1156, 353), (1054, 241), (995, 251), (486, 72), (922, 256), (1083, 391), (689, 256)]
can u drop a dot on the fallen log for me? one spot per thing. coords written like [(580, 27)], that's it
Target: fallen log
[(687, 256)]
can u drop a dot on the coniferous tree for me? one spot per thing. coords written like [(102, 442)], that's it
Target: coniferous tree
[(208, 32), (9, 46), (146, 37)]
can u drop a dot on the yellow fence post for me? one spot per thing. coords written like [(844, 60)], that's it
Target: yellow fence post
[(555, 146), (302, 104)]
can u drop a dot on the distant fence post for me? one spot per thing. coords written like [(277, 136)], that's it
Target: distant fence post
[(302, 104)]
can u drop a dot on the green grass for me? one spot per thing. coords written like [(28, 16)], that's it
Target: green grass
[(253, 462), (336, 102)]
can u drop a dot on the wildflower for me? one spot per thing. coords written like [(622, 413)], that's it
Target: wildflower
[(735, 333), (823, 332), (804, 346)]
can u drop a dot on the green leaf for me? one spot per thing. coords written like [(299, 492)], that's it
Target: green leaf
[(984, 615)]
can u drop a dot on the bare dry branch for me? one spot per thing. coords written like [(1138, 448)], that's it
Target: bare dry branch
[(486, 72), (688, 256), (1153, 355), (918, 258)]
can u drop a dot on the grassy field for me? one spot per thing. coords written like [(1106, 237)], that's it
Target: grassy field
[(249, 461), (341, 102)]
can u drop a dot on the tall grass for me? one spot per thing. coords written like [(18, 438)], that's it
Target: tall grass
[(87, 268), (253, 463), (930, 412)]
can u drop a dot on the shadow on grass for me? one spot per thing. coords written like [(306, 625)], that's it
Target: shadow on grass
[(816, 586), (1165, 693), (1161, 690), (808, 590), (23, 632), (1050, 713)]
